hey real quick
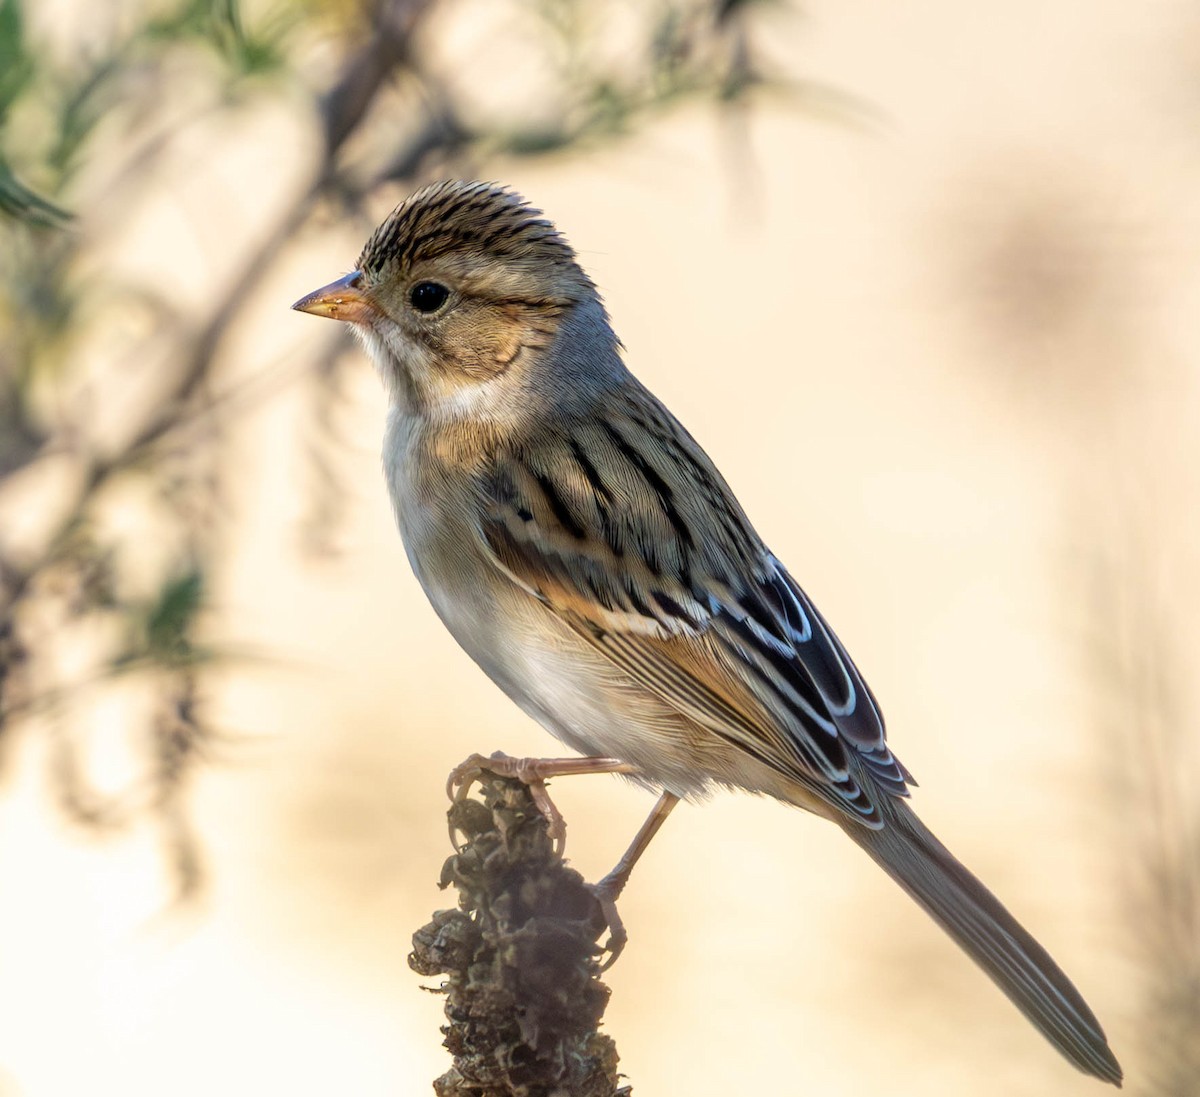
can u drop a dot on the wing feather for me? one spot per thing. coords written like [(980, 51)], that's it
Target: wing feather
[(646, 554)]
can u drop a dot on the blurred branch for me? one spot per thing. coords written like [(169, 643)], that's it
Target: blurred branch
[(1153, 774), (1049, 287), (523, 994), (18, 201), (128, 97), (387, 49)]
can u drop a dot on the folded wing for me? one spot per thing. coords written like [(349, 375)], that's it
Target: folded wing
[(646, 554)]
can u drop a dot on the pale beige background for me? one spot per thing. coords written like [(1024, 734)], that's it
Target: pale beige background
[(925, 349)]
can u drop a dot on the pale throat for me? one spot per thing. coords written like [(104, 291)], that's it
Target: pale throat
[(398, 362), (416, 386)]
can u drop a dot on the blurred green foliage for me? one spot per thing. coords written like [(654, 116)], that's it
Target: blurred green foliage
[(90, 109)]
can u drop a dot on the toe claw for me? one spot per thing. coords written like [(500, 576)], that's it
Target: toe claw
[(556, 825), (532, 772), (618, 938), (464, 775)]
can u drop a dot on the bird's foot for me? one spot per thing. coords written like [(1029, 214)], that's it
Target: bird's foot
[(606, 892), (533, 773)]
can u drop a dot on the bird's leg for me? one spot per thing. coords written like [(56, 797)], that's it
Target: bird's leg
[(533, 773), (609, 889)]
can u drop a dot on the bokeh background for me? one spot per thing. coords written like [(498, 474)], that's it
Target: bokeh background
[(923, 279)]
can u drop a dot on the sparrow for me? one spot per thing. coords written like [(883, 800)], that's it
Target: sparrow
[(584, 550)]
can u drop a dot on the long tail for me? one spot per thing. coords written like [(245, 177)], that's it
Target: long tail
[(909, 853)]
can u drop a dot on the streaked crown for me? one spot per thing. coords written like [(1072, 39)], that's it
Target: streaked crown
[(451, 218)]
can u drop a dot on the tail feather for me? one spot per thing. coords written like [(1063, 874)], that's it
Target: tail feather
[(908, 852)]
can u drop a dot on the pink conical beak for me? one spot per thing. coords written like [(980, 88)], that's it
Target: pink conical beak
[(340, 300)]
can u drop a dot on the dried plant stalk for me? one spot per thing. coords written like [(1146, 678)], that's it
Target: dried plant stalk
[(521, 960)]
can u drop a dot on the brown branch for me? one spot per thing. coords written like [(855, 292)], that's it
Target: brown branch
[(343, 109)]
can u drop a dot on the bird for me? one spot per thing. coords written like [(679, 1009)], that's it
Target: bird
[(584, 550)]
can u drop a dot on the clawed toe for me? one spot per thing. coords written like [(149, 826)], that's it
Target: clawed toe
[(618, 938), (458, 787), (533, 773), (466, 773)]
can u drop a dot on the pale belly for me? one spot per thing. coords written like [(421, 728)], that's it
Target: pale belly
[(566, 686)]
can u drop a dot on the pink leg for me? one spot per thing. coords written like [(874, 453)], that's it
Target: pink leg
[(609, 889), (533, 772)]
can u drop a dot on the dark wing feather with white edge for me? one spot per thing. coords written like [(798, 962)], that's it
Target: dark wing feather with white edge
[(646, 553)]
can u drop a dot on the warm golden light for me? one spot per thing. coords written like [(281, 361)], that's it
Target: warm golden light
[(932, 312)]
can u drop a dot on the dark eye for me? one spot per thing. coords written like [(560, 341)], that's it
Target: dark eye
[(428, 296)]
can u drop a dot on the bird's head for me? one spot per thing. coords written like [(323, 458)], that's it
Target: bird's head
[(459, 295)]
